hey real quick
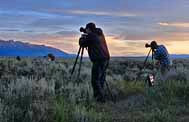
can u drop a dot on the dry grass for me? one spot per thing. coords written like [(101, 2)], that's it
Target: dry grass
[(35, 90)]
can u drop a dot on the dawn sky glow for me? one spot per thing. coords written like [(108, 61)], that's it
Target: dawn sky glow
[(127, 24)]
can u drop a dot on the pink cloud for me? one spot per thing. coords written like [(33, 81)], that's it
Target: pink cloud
[(175, 24)]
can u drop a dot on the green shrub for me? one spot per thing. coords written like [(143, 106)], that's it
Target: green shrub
[(66, 111), (37, 90)]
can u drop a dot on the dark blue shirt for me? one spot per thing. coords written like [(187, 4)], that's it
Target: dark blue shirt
[(162, 55)]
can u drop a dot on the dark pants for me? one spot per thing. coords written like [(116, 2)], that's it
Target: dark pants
[(164, 71), (98, 78)]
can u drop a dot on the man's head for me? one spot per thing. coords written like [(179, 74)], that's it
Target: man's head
[(51, 57), (154, 45), (90, 27)]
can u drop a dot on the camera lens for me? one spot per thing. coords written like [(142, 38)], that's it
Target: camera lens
[(82, 30), (147, 45)]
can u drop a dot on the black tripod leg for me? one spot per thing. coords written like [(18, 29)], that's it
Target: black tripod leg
[(153, 58), (108, 88), (147, 58), (145, 62), (82, 51), (75, 61), (152, 55)]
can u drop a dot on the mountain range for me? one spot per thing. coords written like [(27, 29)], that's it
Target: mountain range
[(18, 48), (180, 56)]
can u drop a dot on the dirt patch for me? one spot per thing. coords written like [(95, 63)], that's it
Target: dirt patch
[(123, 106)]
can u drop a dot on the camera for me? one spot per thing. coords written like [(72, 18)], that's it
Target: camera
[(84, 36), (83, 30), (153, 45), (147, 45), (82, 40)]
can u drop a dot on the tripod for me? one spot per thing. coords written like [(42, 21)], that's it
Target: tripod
[(148, 56), (81, 50), (150, 77)]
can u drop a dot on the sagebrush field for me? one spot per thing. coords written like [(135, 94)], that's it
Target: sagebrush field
[(36, 90)]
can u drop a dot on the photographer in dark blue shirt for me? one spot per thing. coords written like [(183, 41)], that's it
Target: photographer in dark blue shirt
[(161, 54)]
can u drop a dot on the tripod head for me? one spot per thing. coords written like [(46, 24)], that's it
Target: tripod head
[(153, 45)]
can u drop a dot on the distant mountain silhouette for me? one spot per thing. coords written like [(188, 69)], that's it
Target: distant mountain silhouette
[(17, 48), (179, 55)]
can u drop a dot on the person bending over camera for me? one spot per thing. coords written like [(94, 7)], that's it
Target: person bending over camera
[(95, 42), (161, 54)]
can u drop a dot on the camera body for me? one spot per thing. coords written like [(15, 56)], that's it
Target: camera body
[(153, 45), (83, 36), (84, 33), (147, 45), (82, 40)]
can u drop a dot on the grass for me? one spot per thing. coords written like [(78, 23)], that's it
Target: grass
[(132, 88), (53, 97), (167, 102), (66, 111)]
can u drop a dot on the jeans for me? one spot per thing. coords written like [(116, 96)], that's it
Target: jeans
[(164, 72)]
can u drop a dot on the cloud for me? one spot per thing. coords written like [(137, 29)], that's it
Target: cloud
[(127, 23), (119, 47), (56, 24), (23, 19), (10, 30), (67, 33), (175, 24), (177, 47), (102, 13), (29, 13)]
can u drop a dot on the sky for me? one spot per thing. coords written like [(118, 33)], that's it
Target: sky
[(127, 24)]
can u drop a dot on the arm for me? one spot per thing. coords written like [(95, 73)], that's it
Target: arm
[(99, 31), (157, 54)]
